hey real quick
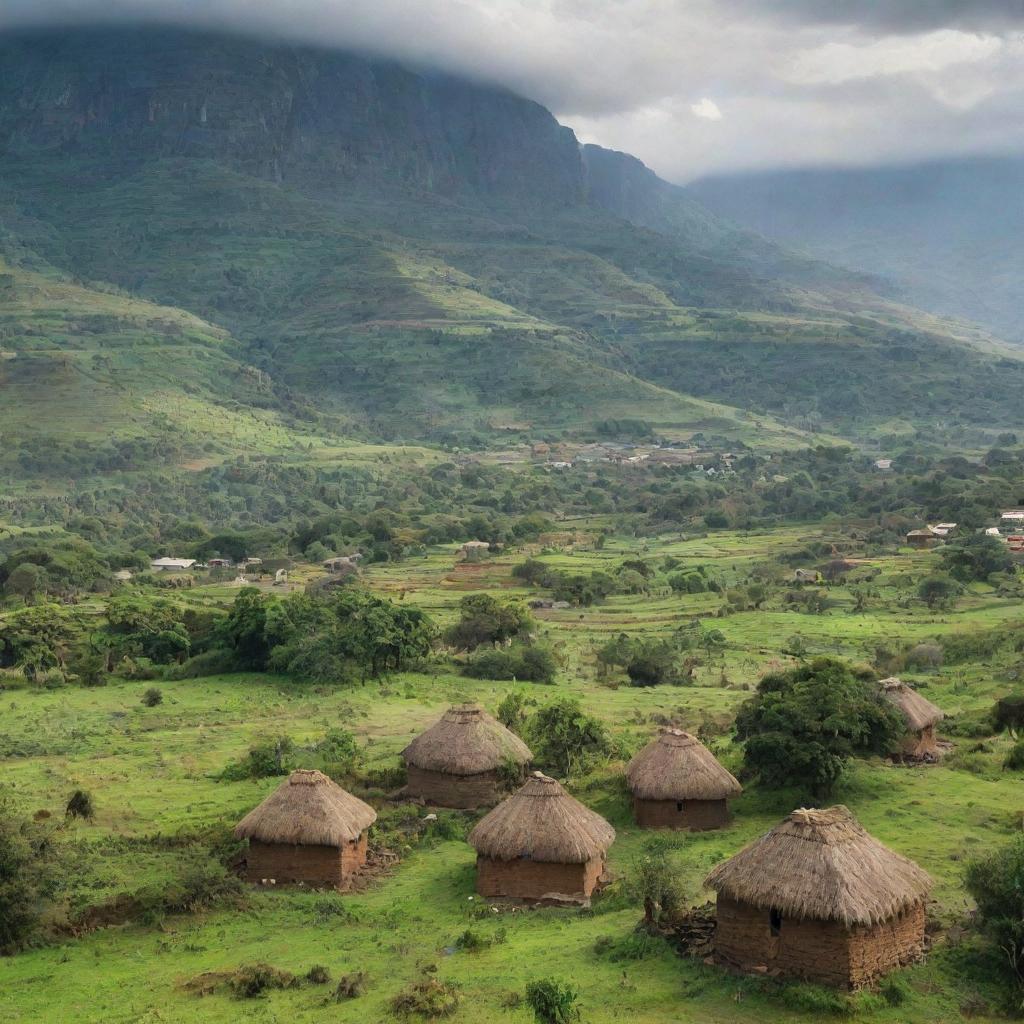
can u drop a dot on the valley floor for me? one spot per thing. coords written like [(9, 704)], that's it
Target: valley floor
[(152, 773)]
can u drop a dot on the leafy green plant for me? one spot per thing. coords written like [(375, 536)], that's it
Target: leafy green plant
[(552, 1002)]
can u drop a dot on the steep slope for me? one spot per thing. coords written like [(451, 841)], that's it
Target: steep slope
[(417, 256), (947, 234)]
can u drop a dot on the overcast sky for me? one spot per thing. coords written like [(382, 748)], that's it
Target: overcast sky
[(689, 86)]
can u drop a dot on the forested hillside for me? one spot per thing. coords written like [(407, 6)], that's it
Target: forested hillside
[(395, 254)]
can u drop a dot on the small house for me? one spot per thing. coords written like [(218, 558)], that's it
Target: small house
[(252, 562), (678, 783), (821, 899), (806, 576), (220, 563), (924, 538), (475, 550), (171, 564), (921, 716), (308, 830), (460, 760), (123, 575), (540, 844), (883, 464), (943, 529), (340, 563)]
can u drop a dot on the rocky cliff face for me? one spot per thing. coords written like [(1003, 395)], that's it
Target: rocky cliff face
[(285, 113)]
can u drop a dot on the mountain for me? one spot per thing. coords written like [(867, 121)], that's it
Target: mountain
[(947, 234), (360, 249)]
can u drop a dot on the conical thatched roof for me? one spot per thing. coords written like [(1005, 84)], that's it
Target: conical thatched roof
[(919, 712), (541, 821), (677, 766), (822, 865), (308, 809), (466, 741)]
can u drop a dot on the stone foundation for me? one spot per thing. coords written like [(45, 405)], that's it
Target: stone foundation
[(821, 951), (311, 865), (460, 791), (695, 815), (523, 879)]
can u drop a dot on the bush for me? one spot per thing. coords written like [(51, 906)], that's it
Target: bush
[(338, 751), (653, 663), (803, 725), (429, 997), (201, 882), (266, 760), (1015, 758), (552, 1002), (816, 1000), (80, 805), (654, 882), (996, 881), (152, 697), (512, 710), (25, 877), (351, 986), (527, 662), (251, 980), (483, 619), (318, 975), (561, 735)]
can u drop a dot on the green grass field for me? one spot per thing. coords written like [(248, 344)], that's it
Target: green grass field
[(152, 774)]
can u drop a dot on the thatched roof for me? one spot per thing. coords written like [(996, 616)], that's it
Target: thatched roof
[(308, 809), (677, 766), (822, 865), (467, 741), (541, 821), (919, 712)]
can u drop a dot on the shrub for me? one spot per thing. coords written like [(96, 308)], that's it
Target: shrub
[(654, 662), (512, 709), (996, 881), (814, 999), (318, 975), (483, 619), (924, 656), (428, 997), (803, 725), (339, 750), (351, 986), (270, 758), (531, 663), (80, 805), (561, 735), (1015, 758), (654, 882), (251, 980), (25, 876), (552, 1002), (152, 697), (201, 882)]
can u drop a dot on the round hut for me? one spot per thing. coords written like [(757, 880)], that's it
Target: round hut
[(458, 761), (540, 843), (308, 830), (819, 898), (921, 716), (677, 782)]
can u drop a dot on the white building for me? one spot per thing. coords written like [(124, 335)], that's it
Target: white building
[(171, 564)]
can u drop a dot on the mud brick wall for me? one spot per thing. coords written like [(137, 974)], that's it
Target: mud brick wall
[(314, 865), (532, 879), (696, 815), (462, 791)]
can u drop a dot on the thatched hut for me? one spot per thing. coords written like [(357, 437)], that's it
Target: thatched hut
[(819, 898), (921, 716), (308, 830), (677, 782), (539, 844), (458, 762)]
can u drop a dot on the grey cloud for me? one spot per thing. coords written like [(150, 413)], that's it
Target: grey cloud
[(896, 16), (795, 82)]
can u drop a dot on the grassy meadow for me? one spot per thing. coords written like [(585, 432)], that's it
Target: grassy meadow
[(153, 771)]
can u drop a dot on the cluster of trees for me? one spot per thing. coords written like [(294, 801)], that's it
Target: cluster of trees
[(654, 661)]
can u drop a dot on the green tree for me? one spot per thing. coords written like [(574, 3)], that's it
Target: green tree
[(938, 591), (37, 639), (561, 735), (802, 726), (552, 1002), (977, 557), (245, 629), (484, 619), (26, 581)]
